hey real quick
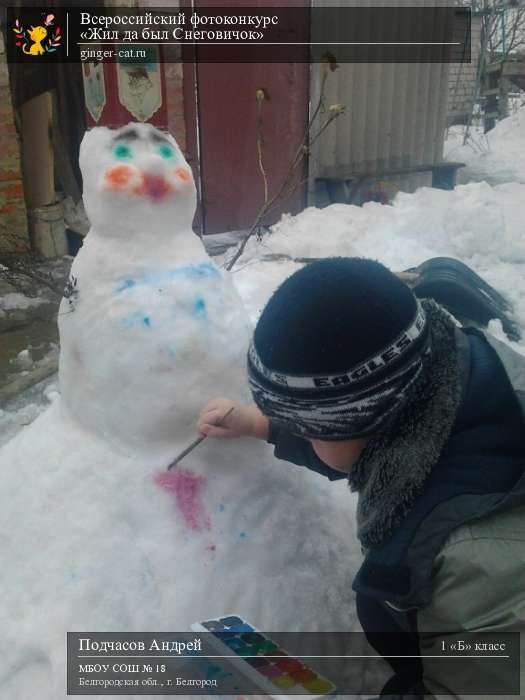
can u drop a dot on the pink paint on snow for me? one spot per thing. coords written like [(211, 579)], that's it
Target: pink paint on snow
[(187, 489)]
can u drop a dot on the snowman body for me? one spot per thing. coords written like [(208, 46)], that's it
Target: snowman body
[(151, 325)]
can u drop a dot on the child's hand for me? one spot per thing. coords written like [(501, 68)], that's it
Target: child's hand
[(243, 421)]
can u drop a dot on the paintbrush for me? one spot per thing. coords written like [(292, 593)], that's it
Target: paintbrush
[(196, 442)]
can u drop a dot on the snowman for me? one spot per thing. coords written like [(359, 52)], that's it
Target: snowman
[(93, 537), (151, 325)]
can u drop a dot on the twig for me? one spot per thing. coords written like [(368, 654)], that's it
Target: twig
[(13, 267), (288, 184), (260, 98)]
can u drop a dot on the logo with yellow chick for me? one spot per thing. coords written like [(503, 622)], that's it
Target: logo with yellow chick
[(39, 40)]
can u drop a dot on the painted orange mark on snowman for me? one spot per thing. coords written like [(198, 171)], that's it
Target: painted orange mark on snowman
[(183, 174), (118, 178)]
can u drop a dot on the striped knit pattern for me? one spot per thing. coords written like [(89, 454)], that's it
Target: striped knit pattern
[(352, 404)]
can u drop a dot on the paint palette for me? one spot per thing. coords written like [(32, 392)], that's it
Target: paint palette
[(261, 660)]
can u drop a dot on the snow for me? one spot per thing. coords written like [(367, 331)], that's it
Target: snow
[(15, 300), (92, 537), (495, 157), (25, 408), (23, 359), (476, 223)]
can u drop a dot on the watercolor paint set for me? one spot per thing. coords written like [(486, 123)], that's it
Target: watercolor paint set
[(261, 660)]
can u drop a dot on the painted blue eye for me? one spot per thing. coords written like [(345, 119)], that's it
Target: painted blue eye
[(166, 151), (122, 152)]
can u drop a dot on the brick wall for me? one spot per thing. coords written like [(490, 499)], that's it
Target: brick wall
[(14, 235)]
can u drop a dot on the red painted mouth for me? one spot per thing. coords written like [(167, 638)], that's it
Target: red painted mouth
[(154, 186)]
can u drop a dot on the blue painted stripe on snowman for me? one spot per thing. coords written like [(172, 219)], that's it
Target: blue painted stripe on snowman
[(200, 271)]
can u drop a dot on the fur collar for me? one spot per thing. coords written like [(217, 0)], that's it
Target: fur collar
[(392, 469)]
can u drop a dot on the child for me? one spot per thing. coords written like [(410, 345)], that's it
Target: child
[(355, 378)]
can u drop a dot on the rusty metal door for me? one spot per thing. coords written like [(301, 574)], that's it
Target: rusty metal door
[(230, 119)]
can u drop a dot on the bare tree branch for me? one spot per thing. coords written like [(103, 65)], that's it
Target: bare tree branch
[(290, 181), (22, 269)]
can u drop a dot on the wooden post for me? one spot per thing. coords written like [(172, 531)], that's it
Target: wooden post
[(46, 223), (37, 151)]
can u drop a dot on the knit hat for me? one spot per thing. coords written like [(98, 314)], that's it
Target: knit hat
[(337, 349)]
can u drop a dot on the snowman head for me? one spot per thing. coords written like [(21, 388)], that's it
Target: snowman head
[(136, 180)]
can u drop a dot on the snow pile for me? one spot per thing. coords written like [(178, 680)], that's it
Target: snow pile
[(496, 157), (478, 224), (92, 540)]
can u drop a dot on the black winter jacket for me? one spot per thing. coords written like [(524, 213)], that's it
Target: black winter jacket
[(428, 576)]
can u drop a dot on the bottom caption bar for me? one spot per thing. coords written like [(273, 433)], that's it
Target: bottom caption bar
[(228, 655)]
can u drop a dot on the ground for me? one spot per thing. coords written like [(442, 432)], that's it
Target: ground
[(29, 348)]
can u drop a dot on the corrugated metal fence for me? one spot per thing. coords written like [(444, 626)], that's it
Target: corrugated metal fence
[(395, 114)]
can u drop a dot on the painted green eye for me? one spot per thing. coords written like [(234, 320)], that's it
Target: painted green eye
[(122, 152), (166, 151)]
